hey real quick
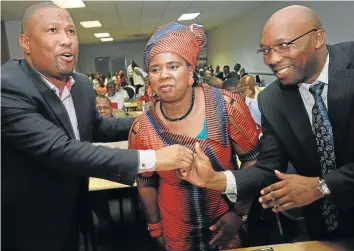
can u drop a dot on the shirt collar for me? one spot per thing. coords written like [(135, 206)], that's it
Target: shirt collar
[(70, 81)]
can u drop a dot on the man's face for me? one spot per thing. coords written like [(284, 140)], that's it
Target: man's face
[(52, 44), (226, 70), (208, 75), (104, 107), (298, 62), (217, 69)]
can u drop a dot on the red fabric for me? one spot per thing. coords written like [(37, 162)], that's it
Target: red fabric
[(173, 195), (114, 105)]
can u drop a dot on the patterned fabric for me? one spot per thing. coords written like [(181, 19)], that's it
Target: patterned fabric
[(187, 211), (322, 130), (176, 38)]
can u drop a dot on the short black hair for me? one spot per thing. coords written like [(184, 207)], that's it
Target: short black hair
[(230, 82), (31, 10), (226, 66), (237, 66)]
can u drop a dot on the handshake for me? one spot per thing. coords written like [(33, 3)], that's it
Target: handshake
[(192, 166)]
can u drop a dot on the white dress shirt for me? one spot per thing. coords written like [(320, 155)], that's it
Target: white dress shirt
[(147, 158), (309, 101)]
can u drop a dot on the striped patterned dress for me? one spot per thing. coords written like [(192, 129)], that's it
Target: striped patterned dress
[(187, 211)]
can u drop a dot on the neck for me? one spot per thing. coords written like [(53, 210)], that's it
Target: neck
[(58, 82), (178, 108), (322, 61)]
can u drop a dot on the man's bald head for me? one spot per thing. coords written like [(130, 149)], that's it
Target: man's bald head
[(30, 11), (295, 15), (293, 45)]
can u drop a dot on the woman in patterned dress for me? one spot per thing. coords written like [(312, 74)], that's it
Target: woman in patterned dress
[(179, 214)]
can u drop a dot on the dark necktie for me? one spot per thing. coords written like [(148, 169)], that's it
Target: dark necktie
[(322, 130)]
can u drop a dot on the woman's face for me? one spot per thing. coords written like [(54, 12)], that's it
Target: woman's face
[(170, 76)]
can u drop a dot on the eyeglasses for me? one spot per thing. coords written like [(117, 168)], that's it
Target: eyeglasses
[(103, 108), (281, 48)]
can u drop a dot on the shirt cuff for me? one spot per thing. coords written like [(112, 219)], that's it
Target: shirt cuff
[(231, 189), (147, 161)]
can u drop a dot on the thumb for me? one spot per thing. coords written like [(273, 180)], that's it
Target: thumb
[(280, 175), (199, 151), (216, 226)]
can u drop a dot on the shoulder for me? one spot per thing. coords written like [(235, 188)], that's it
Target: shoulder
[(11, 71), (270, 92), (347, 47)]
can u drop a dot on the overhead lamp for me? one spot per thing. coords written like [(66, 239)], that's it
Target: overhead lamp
[(106, 39), (99, 35), (91, 24), (188, 16), (68, 4)]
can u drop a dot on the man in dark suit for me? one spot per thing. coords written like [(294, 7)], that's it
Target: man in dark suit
[(48, 119), (307, 119)]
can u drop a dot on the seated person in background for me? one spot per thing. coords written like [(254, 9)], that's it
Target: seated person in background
[(101, 89), (243, 72), (181, 216), (225, 74), (235, 86), (115, 97), (249, 85), (104, 105), (215, 82), (207, 76)]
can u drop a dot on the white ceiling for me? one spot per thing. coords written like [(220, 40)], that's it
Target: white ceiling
[(131, 20)]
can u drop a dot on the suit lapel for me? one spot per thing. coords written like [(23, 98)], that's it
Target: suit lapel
[(340, 93), (296, 114), (51, 99)]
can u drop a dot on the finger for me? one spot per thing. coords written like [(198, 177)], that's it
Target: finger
[(182, 174), (273, 187), (216, 239), (188, 158), (284, 207), (186, 166), (216, 226), (199, 151), (277, 202), (281, 176), (274, 194)]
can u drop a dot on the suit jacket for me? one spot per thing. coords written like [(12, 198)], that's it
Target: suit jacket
[(45, 170), (287, 136)]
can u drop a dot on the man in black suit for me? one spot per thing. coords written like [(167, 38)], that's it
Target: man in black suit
[(48, 119), (307, 119)]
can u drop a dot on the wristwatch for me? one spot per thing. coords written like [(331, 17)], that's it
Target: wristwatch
[(322, 186), (243, 216)]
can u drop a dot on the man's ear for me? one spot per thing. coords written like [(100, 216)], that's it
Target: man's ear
[(24, 43)]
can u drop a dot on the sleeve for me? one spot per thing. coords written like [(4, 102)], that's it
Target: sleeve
[(242, 129), (25, 129), (111, 129), (271, 157), (136, 142)]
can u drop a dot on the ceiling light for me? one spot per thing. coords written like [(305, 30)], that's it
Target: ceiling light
[(67, 4), (99, 35), (188, 16), (91, 24), (106, 39)]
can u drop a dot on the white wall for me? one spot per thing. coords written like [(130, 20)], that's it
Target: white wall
[(132, 50), (237, 40), (13, 31)]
